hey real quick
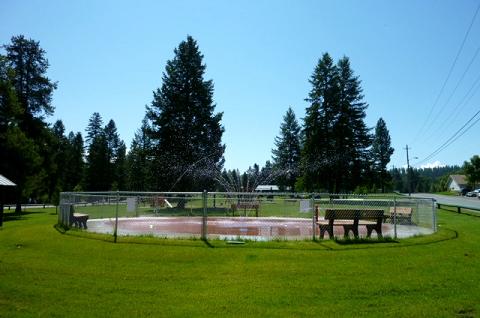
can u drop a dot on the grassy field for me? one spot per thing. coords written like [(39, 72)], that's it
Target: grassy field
[(46, 273)]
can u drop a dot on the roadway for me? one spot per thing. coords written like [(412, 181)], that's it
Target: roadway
[(452, 200)]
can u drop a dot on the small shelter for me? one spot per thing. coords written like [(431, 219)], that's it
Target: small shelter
[(267, 188), (4, 185), (457, 182)]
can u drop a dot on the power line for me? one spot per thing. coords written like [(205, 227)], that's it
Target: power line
[(437, 115), (448, 76), (460, 132), (465, 100)]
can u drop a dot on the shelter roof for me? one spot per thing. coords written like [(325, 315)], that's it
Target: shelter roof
[(5, 182)]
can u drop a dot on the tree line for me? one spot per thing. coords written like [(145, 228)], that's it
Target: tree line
[(178, 146)]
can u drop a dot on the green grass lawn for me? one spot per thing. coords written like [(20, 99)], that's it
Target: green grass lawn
[(451, 193), (44, 273)]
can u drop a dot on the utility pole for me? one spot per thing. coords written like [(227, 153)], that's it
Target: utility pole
[(409, 183)]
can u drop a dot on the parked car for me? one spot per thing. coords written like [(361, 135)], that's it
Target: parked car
[(464, 191), (471, 194)]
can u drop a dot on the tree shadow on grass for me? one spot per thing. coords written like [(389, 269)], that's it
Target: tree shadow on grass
[(12, 216)]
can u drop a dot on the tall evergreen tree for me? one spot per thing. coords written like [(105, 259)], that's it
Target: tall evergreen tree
[(27, 65), (19, 154), (120, 168), (139, 160), (116, 156), (286, 155), (98, 167), (317, 150), (34, 89), (381, 151), (94, 128), (186, 131), (336, 139), (352, 135), (75, 162), (57, 162)]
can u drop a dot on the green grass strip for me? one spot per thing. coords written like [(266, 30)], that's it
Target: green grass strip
[(47, 272)]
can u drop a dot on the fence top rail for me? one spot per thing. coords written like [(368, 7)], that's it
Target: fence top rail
[(294, 195), (114, 193)]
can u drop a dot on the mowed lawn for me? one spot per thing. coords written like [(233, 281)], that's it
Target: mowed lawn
[(44, 273)]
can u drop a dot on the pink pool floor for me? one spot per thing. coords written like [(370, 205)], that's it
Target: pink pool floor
[(233, 227)]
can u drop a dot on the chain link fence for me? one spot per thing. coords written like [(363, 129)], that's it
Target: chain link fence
[(255, 216)]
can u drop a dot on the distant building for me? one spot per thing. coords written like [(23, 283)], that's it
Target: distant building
[(457, 182), (267, 188)]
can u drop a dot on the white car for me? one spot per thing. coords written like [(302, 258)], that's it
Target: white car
[(474, 193)]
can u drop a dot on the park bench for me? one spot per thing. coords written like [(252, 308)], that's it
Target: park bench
[(246, 205), (79, 220), (403, 215), (350, 219)]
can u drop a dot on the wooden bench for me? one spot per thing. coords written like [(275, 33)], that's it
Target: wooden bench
[(350, 219), (403, 215), (246, 205)]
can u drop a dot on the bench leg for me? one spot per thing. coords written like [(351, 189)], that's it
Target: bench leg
[(377, 229), (326, 228), (350, 227)]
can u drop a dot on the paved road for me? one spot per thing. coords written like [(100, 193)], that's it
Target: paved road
[(453, 200)]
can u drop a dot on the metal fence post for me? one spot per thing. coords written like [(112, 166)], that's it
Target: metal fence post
[(434, 216), (417, 215), (394, 217), (204, 218), (314, 216), (116, 220)]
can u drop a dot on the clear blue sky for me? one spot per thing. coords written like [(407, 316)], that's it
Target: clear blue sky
[(108, 57)]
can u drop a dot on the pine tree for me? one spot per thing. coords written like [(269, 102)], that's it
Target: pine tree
[(116, 157), (317, 151), (20, 158), (335, 138), (94, 128), (139, 160), (120, 166), (33, 88), (352, 136), (98, 167), (26, 66), (75, 164), (186, 132), (286, 155), (381, 151), (57, 161)]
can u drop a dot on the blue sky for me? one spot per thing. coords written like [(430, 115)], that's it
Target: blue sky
[(108, 57)]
